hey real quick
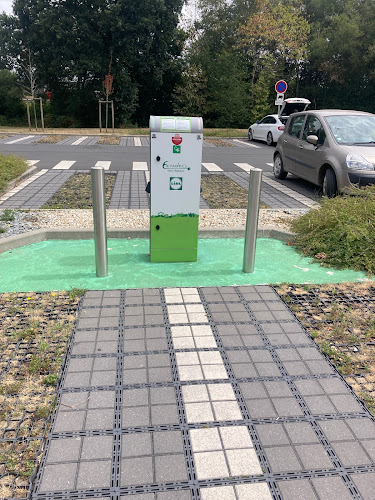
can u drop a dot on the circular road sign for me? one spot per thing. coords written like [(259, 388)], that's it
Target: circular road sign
[(281, 86)]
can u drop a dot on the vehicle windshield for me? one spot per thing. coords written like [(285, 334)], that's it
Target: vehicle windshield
[(352, 129)]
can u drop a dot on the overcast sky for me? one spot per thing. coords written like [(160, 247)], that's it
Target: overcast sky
[(6, 5)]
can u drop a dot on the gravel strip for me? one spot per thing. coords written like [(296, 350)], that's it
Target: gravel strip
[(36, 219)]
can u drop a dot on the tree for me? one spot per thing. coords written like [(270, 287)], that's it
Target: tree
[(11, 106)]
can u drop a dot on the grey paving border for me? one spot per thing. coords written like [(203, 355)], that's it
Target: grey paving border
[(38, 235)]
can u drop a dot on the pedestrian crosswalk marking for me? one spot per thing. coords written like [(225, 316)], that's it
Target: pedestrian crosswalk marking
[(63, 165), (147, 175), (246, 143), (137, 141), (104, 164), (269, 164), (244, 166), (289, 192), (23, 184), (78, 141), (20, 139), (31, 163), (212, 167), (140, 165)]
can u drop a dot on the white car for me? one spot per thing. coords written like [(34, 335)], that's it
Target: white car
[(268, 129), (271, 127)]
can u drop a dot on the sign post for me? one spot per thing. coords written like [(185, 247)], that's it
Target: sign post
[(280, 87), (175, 173)]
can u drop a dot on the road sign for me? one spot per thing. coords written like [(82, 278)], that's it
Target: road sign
[(281, 86), (279, 99)]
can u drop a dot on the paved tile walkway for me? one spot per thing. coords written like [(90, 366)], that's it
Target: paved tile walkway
[(202, 393)]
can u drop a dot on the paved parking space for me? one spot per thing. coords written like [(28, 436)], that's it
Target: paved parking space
[(202, 393)]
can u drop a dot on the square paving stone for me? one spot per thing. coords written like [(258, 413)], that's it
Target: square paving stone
[(69, 421), (170, 468), (301, 432), (135, 445), (313, 456), (99, 419), (136, 471), (97, 448), (272, 434), (174, 495), (332, 488), (167, 442), (336, 430), (351, 453), (59, 477), (297, 489), (282, 459), (362, 427), (94, 475), (64, 450)]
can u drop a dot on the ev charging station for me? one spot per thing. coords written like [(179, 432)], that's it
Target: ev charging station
[(175, 176)]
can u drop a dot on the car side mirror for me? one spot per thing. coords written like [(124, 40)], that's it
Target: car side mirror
[(312, 139)]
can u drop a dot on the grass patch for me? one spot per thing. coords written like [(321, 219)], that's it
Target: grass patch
[(111, 141), (11, 167), (51, 139), (34, 332), (7, 215), (340, 319), (341, 232), (76, 193), (219, 191)]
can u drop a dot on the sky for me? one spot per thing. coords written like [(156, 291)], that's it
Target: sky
[(6, 5)]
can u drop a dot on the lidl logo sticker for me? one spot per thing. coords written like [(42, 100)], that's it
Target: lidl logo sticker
[(177, 149), (175, 183)]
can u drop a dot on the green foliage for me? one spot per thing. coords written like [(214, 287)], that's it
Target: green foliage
[(50, 380), (75, 293), (11, 167), (342, 228), (8, 215), (11, 105)]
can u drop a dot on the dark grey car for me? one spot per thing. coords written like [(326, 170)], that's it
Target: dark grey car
[(332, 148)]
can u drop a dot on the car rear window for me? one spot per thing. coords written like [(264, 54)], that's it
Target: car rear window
[(295, 125)]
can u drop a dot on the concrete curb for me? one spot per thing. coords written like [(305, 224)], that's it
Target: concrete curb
[(12, 184), (20, 240)]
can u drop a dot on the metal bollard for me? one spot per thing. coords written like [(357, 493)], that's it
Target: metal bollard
[(100, 223), (252, 220)]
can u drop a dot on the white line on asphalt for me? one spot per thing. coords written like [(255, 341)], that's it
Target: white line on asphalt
[(78, 141), (63, 165), (147, 175), (212, 167), (246, 143), (22, 185), (289, 192), (104, 164), (269, 164), (31, 163), (20, 139), (137, 141), (140, 165), (245, 166)]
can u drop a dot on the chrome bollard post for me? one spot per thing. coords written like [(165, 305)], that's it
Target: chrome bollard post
[(252, 220), (100, 223)]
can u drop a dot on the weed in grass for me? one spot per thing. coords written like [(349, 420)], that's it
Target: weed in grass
[(43, 412), (50, 380), (7, 215), (76, 293)]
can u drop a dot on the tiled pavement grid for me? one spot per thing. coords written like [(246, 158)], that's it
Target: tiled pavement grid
[(202, 393)]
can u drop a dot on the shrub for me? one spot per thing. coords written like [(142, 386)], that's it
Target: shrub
[(341, 232), (11, 166)]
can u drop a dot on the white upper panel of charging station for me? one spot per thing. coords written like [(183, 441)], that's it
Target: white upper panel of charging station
[(192, 124)]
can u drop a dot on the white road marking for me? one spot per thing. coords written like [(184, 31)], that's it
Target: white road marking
[(78, 141), (147, 175), (140, 165), (212, 167), (104, 164), (20, 139), (245, 166), (269, 164), (137, 141), (247, 143), (23, 184), (289, 192), (31, 163), (63, 165)]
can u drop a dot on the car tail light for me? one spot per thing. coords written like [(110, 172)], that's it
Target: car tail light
[(282, 127)]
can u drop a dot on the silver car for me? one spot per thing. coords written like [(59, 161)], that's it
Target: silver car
[(332, 148)]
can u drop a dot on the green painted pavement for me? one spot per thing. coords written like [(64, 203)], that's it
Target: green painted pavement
[(62, 265)]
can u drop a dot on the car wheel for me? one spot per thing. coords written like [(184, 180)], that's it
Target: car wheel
[(330, 183), (269, 139), (250, 134), (278, 169)]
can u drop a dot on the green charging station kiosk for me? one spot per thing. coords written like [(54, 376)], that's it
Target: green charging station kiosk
[(175, 177)]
